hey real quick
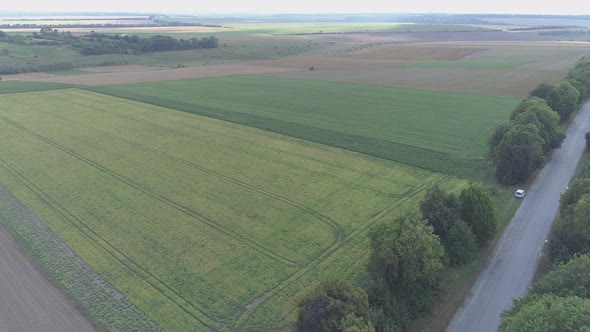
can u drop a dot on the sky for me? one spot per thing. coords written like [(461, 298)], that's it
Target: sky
[(569, 7)]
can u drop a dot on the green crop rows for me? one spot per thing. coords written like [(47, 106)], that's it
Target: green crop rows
[(438, 131), (202, 224)]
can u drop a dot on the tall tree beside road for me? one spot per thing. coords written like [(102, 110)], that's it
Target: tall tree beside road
[(477, 211), (519, 154), (547, 313), (581, 73), (570, 279), (545, 119), (404, 265), (572, 233), (563, 98)]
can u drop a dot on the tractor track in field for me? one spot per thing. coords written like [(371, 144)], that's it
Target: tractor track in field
[(244, 319), (106, 246), (125, 260), (328, 252), (229, 147), (270, 293), (339, 232), (165, 200)]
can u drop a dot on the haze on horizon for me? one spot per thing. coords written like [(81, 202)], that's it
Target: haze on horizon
[(563, 7)]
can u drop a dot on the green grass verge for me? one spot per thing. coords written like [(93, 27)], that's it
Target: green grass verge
[(7, 87), (465, 64), (439, 131), (202, 224)]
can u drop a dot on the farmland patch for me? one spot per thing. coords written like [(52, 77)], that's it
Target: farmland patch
[(416, 127), (416, 53), (201, 223)]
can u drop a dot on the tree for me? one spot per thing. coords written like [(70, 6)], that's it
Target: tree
[(440, 210), (497, 137), (562, 98), (352, 323), (519, 154), (547, 313), (581, 73), (543, 91), (477, 211), (572, 233), (579, 87), (404, 264), (330, 304), (545, 119), (587, 136), (460, 244), (568, 99), (576, 189), (570, 279)]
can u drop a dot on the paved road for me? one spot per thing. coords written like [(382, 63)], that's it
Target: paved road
[(28, 301), (508, 273)]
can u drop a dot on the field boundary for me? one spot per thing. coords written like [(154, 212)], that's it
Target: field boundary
[(104, 305), (409, 155)]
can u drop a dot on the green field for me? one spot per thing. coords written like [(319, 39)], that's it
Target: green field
[(7, 87), (348, 27), (201, 223), (438, 131)]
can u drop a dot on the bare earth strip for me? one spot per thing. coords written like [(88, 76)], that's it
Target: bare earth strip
[(28, 301), (124, 77)]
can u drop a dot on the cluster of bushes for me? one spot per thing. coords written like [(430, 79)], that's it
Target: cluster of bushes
[(571, 234), (98, 43), (560, 301), (407, 256), (520, 147), (17, 68)]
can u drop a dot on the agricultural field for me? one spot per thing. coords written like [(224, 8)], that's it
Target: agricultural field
[(490, 68), (415, 127), (347, 27), (213, 189), (201, 223)]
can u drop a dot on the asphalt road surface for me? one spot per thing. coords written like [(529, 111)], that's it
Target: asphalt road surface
[(28, 301), (509, 272)]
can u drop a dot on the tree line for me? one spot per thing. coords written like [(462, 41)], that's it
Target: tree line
[(521, 146), (100, 43), (407, 256), (560, 301), (148, 24)]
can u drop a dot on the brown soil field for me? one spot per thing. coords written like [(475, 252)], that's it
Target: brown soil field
[(123, 77), (549, 63)]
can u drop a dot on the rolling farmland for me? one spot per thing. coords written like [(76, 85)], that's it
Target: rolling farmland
[(200, 223), (415, 127), (224, 186)]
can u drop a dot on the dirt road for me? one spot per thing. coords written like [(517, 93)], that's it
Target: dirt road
[(28, 301), (509, 271)]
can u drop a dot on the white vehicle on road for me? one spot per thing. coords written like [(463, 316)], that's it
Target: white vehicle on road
[(519, 193)]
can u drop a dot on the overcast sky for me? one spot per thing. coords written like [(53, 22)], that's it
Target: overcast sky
[(575, 7)]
